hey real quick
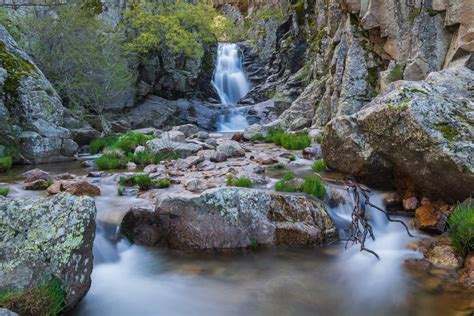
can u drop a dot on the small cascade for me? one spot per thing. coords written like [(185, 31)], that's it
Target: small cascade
[(231, 83)]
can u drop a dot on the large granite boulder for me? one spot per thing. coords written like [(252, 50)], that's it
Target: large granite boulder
[(44, 238), (230, 218), (32, 116), (419, 134)]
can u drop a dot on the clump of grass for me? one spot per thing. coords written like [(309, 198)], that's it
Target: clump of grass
[(143, 181), (44, 300), (113, 152), (5, 163), (280, 166), (288, 140), (4, 191), (131, 140), (239, 182), (313, 186), (319, 138), (141, 158), (461, 224), (162, 183), (292, 158), (97, 145), (106, 162), (318, 165), (120, 191), (284, 185), (257, 138), (166, 156)]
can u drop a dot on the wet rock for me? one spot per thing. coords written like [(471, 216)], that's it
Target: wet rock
[(79, 188), (231, 148), (6, 312), (313, 152), (230, 218), (392, 200), (150, 169), (187, 130), (265, 159), (139, 149), (430, 219), (36, 174), (64, 226), (218, 156), (126, 191), (37, 185), (444, 256), (237, 136), (211, 142), (65, 176), (203, 135), (410, 203), (258, 169), (198, 185), (173, 136), (131, 165), (160, 146), (183, 164), (372, 144), (97, 174), (467, 272)]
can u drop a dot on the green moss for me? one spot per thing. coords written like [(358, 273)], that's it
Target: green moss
[(373, 79), (319, 165), (413, 14), (4, 191), (239, 182), (5, 164), (432, 12), (449, 131), (399, 107), (415, 90), (44, 300), (16, 68), (396, 73), (461, 225)]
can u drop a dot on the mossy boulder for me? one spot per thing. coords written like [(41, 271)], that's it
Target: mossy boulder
[(419, 135), (44, 238)]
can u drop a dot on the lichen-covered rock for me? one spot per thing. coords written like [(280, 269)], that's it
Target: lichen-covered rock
[(32, 115), (47, 237), (418, 134), (231, 149), (183, 150), (230, 218), (444, 256)]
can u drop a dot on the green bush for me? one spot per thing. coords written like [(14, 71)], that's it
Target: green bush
[(461, 225), (284, 186), (143, 181), (319, 165), (97, 145), (313, 186), (239, 182), (44, 300), (108, 163), (5, 163), (288, 140), (162, 183), (4, 191)]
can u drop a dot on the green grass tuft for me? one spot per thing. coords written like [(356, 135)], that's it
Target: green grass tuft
[(166, 156), (288, 140), (141, 158), (284, 186), (461, 225), (239, 182), (5, 163), (44, 300), (97, 145), (143, 181), (319, 138), (313, 186), (162, 183), (257, 138), (319, 165), (4, 191), (107, 163), (280, 166)]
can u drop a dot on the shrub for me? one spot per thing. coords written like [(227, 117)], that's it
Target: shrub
[(239, 182), (461, 225), (143, 181), (313, 186), (107, 163), (5, 163), (257, 138), (4, 191), (319, 165), (44, 300), (97, 145), (162, 183)]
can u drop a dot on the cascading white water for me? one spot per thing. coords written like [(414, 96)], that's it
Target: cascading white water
[(231, 83)]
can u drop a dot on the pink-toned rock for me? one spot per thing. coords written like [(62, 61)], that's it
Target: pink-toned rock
[(467, 272), (410, 203), (265, 159), (80, 187)]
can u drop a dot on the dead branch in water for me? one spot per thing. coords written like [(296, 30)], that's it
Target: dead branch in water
[(360, 226)]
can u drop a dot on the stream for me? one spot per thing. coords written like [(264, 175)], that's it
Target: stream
[(329, 280)]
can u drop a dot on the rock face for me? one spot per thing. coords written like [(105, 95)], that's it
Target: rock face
[(32, 116), (47, 237), (418, 134), (230, 218)]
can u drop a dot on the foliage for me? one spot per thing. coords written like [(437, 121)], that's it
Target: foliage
[(113, 152), (109, 162), (179, 27), (319, 138), (396, 73), (258, 137), (5, 163), (289, 140), (239, 182), (280, 165), (166, 156), (284, 185), (318, 165), (142, 158), (120, 191), (4, 191), (313, 186), (131, 140), (461, 225), (143, 181), (81, 57), (97, 145), (162, 183), (44, 300), (292, 158)]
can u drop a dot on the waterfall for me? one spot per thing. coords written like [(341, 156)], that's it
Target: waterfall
[(231, 83)]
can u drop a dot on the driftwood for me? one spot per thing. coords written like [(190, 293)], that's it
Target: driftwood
[(360, 226)]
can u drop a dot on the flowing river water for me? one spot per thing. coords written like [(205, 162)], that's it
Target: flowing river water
[(328, 280)]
